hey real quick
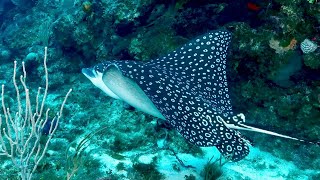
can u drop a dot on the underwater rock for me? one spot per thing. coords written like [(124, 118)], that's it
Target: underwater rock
[(32, 57), (312, 60), (283, 75)]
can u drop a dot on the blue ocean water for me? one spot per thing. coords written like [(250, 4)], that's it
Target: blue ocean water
[(146, 89)]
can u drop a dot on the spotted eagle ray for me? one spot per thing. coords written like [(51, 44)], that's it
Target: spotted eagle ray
[(188, 88)]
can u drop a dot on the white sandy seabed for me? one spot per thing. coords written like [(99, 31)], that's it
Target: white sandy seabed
[(258, 165)]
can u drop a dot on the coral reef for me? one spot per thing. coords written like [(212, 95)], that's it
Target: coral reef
[(272, 80)]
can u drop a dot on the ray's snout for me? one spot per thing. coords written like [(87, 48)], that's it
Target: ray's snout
[(96, 78)]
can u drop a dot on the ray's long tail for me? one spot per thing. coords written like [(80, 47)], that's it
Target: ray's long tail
[(241, 126)]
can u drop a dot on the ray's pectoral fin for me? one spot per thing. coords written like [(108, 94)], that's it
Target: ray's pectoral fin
[(234, 147), (128, 91)]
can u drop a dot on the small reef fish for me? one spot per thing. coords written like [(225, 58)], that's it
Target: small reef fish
[(253, 7)]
